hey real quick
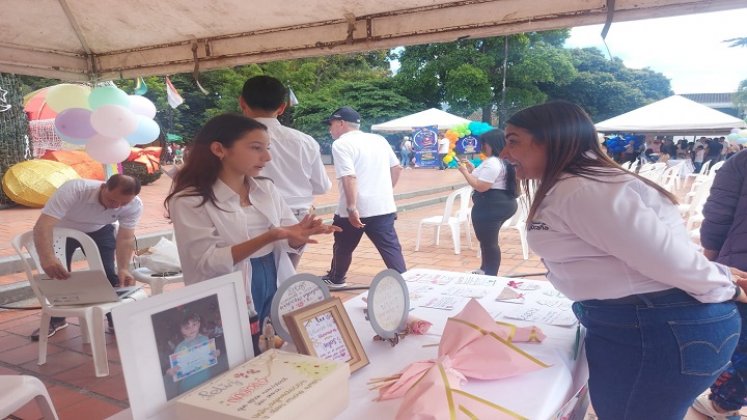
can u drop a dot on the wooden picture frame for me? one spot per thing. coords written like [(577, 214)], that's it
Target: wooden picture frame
[(296, 292), (324, 330)]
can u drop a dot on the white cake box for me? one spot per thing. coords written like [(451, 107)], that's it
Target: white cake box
[(276, 385)]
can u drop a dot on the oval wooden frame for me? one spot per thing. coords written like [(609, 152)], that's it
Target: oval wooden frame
[(275, 314), (384, 333)]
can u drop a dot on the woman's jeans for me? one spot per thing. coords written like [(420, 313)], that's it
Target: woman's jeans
[(490, 210), (264, 286), (651, 355), (729, 391)]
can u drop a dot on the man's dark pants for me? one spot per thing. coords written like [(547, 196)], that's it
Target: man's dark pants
[(379, 229)]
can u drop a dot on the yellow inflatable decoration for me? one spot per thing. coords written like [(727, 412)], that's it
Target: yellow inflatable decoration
[(32, 182)]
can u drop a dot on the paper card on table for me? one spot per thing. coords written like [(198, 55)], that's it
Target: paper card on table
[(467, 292), (326, 338), (510, 295), (523, 285), (442, 302), (555, 303), (477, 280), (194, 359), (431, 277), (419, 291), (553, 293), (542, 314)]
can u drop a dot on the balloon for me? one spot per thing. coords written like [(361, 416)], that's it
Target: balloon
[(742, 140), (142, 106), (108, 95), (743, 133), (114, 121), (75, 123), (147, 131), (447, 159), (732, 137), (64, 96), (108, 150), (71, 140), (734, 131)]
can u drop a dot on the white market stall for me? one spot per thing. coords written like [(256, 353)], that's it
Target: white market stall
[(672, 115), (429, 117), (110, 39)]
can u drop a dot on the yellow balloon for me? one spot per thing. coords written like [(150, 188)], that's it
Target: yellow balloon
[(32, 183), (64, 96), (447, 159)]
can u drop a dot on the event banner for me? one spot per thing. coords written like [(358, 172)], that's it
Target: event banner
[(425, 144), (467, 145)]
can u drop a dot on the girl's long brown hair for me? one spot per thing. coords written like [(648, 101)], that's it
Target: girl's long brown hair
[(201, 167), (568, 134)]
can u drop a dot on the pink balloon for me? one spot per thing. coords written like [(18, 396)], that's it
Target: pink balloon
[(142, 106), (108, 150), (75, 123), (114, 121)]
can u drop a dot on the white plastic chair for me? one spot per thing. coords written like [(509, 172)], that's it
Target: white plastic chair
[(19, 390), (670, 177), (156, 281), (450, 219), (695, 206), (91, 317)]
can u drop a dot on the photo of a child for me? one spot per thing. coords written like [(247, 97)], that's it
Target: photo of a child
[(190, 344)]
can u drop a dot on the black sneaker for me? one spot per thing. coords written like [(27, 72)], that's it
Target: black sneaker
[(332, 284), (53, 328)]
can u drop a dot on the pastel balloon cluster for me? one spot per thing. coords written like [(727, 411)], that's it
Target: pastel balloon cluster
[(737, 136), (105, 119)]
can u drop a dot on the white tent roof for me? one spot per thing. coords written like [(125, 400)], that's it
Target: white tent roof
[(673, 115), (109, 39), (432, 116)]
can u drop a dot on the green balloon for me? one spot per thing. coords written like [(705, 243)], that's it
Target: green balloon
[(66, 96), (108, 95)]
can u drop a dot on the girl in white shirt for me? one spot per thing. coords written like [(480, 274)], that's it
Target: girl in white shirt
[(494, 198), (227, 218), (660, 323)]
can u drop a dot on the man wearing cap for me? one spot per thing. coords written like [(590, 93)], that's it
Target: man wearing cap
[(296, 167), (367, 170)]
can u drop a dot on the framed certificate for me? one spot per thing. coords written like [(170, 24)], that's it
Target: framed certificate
[(388, 304), (295, 293)]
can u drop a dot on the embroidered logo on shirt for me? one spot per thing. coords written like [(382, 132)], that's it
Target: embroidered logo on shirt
[(538, 226)]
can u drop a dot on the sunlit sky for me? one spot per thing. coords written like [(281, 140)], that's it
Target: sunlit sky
[(688, 49)]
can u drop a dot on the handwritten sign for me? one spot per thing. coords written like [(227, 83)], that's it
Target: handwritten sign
[(545, 315), (194, 359), (442, 302), (326, 338), (295, 293)]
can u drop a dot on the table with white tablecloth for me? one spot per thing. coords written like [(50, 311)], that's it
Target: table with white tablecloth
[(535, 395)]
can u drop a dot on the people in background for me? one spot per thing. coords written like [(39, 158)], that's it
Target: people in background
[(227, 218), (699, 158), (443, 150), (723, 235), (405, 150), (367, 171), (494, 198), (653, 306)]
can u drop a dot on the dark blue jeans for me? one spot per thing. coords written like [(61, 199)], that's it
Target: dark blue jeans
[(379, 229), (729, 391), (651, 355), (264, 287), (491, 209)]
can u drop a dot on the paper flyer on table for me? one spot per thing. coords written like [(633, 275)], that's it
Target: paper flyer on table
[(466, 292), (442, 302), (476, 280), (432, 277), (194, 359), (544, 315)]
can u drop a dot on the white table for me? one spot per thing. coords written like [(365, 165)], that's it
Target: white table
[(536, 395)]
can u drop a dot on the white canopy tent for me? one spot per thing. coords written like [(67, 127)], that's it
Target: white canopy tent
[(673, 115), (432, 116), (110, 39)]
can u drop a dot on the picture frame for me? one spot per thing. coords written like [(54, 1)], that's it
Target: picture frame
[(388, 304), (324, 330), (296, 292), (140, 340)]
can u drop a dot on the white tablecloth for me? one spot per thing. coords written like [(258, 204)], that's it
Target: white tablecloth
[(536, 395)]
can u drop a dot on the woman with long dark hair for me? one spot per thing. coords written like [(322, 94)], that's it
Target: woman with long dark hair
[(227, 218), (494, 198), (659, 317)]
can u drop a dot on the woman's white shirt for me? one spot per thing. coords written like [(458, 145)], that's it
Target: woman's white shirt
[(257, 224), (206, 233), (492, 170), (619, 237)]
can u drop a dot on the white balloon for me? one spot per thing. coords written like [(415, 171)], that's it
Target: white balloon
[(114, 121), (107, 149), (734, 131), (142, 106)]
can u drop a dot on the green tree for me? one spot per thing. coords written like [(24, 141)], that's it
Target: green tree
[(469, 74), (740, 99), (605, 88)]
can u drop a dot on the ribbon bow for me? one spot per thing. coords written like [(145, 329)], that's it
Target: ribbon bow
[(474, 346), (150, 157)]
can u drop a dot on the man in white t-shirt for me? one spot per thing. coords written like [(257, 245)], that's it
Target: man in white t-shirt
[(367, 171), (443, 150), (296, 167), (91, 207)]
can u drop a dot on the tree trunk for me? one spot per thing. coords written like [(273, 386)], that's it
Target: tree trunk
[(14, 128), (502, 114)]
